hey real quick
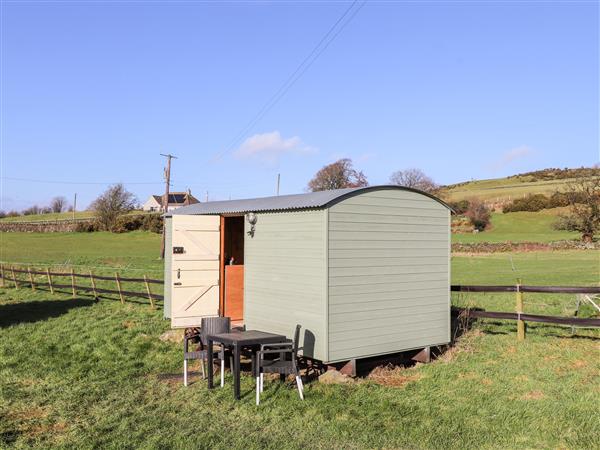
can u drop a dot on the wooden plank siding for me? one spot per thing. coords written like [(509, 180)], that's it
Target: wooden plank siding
[(389, 280), (285, 279), (168, 266)]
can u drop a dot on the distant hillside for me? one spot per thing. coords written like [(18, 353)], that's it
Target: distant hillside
[(502, 190)]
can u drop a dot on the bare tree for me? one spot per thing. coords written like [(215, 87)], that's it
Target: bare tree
[(112, 204), (413, 178), (584, 204), (338, 175), (58, 204), (478, 213), (32, 210)]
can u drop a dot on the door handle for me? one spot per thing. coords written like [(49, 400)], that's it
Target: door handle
[(176, 284)]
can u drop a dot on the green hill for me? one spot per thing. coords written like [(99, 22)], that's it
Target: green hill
[(522, 226), (502, 190)]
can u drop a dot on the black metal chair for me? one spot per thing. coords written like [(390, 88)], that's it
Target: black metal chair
[(285, 364), (208, 326)]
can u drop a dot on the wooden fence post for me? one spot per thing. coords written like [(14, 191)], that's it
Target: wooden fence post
[(73, 283), (14, 277), (31, 278), (520, 323), (49, 280), (148, 291), (93, 284), (119, 287), (2, 275)]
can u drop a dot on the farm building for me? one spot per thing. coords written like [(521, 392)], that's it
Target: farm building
[(364, 271)]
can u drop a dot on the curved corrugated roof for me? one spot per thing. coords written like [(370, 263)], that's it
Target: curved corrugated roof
[(311, 200)]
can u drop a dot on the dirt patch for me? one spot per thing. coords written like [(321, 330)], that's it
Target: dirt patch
[(393, 376), (510, 350), (34, 421), (580, 363), (533, 395), (32, 413), (128, 324), (463, 345)]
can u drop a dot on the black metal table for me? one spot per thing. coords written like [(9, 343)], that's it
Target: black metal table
[(237, 340)]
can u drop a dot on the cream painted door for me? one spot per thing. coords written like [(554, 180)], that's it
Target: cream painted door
[(195, 276)]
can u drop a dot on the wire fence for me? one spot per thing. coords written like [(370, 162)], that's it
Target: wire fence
[(519, 315), (45, 279)]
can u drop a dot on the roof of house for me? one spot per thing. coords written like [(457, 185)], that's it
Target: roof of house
[(177, 198), (311, 200)]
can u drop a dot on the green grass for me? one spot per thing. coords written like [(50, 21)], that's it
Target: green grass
[(520, 226), (499, 189), (136, 250), (79, 374)]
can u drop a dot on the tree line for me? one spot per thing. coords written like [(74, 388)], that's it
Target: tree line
[(581, 196), (57, 205)]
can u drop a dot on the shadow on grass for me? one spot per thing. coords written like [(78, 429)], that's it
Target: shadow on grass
[(34, 311)]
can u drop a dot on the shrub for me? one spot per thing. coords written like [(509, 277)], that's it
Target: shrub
[(533, 202), (128, 223), (153, 223), (460, 207), (479, 214), (87, 226)]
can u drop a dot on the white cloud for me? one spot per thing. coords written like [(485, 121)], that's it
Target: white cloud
[(271, 146), (510, 156)]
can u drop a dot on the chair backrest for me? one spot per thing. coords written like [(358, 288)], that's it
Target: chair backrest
[(214, 325), (296, 340)]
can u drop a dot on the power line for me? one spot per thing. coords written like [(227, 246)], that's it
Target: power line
[(295, 76), (32, 180)]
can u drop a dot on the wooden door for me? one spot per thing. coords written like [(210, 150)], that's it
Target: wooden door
[(195, 269), (234, 292)]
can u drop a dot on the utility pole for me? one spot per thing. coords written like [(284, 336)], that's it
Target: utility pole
[(74, 205), (278, 181), (165, 202)]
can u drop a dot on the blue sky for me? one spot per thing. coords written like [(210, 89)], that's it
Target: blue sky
[(93, 92)]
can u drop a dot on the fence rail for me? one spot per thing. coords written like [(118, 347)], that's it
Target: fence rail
[(8, 275), (520, 316), (525, 288)]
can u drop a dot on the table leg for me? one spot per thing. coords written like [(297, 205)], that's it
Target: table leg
[(236, 377), (209, 346)]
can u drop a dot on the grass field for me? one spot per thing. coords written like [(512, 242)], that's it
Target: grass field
[(499, 189), (57, 216), (79, 374), (135, 251), (519, 226)]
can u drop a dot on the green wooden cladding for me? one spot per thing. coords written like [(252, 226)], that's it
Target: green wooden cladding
[(368, 275), (285, 277), (389, 281)]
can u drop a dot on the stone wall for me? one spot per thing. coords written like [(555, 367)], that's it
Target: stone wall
[(46, 226)]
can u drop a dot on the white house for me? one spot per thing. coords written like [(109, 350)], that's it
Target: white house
[(176, 200)]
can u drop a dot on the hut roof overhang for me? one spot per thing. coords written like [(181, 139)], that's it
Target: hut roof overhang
[(311, 200)]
